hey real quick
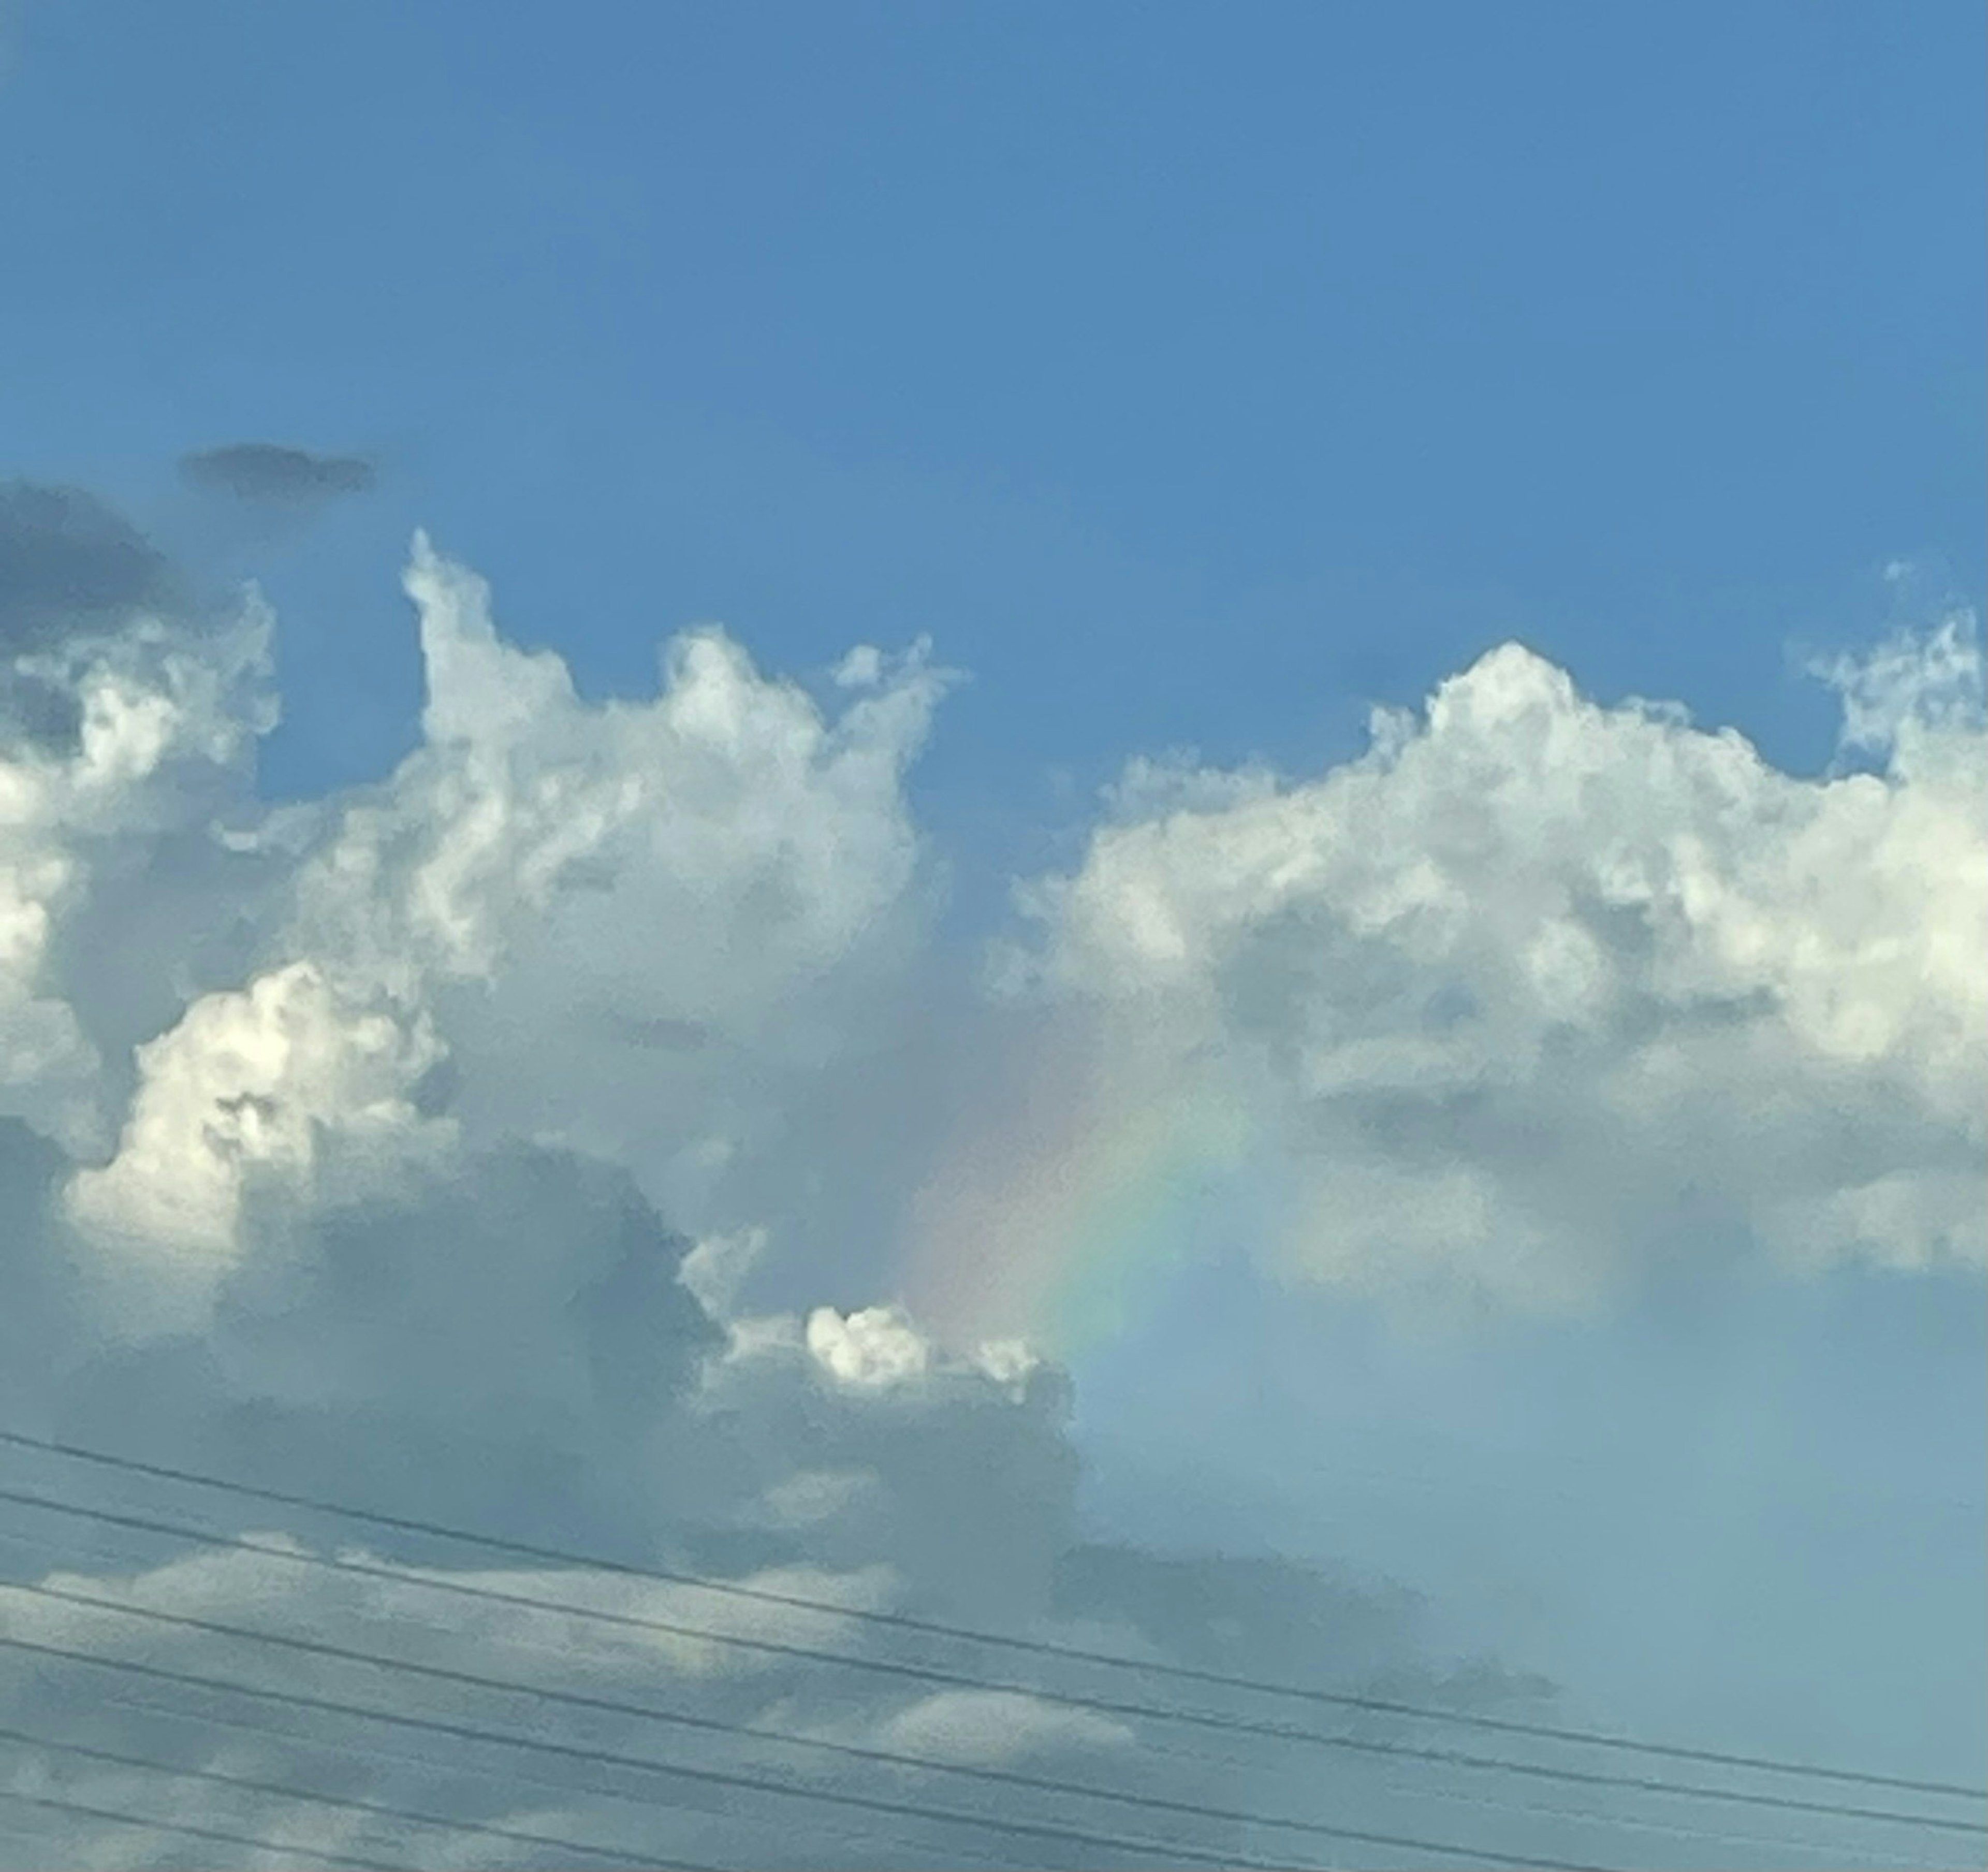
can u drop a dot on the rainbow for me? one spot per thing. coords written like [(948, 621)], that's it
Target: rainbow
[(1066, 1223)]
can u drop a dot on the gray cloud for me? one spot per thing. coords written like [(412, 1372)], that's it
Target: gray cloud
[(271, 472), (69, 562)]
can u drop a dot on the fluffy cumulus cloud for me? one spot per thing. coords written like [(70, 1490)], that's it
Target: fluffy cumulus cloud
[(1539, 991), (617, 927), (126, 721), (425, 1146)]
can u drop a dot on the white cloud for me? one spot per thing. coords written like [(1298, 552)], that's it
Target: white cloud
[(166, 714), (1537, 984), (862, 669), (622, 925), (634, 920), (262, 1084), (1909, 687), (993, 1729), (873, 1349), (1491, 1001)]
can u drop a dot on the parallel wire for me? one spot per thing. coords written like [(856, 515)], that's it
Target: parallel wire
[(1832, 1854), (467, 1770), (747, 1731), (321, 1855), (1422, 1791), (378, 1810), (1038, 1784), (1168, 1852), (1282, 1732), (1043, 1648)]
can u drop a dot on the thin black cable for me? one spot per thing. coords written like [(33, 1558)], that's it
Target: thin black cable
[(472, 1732), (1637, 1823), (566, 1789), (317, 1855), (1449, 1757), (1834, 1854), (867, 1835), (88, 1751), (1044, 1647), (612, 1706), (677, 1718)]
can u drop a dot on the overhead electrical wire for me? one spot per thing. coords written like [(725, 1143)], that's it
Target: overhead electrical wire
[(339, 1563), (405, 1575), (1166, 1852), (377, 1810), (501, 1686), (1042, 1647), (513, 1773), (314, 1855), (1834, 1853)]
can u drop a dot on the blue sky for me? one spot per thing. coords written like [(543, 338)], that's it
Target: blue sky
[(1196, 377), (1190, 377)]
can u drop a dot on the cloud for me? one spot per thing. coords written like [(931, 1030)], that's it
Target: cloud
[(70, 567), (482, 1144), (269, 472), (870, 1350), (141, 718), (510, 1347), (250, 1092), (777, 1722), (720, 862), (1538, 989), (997, 1728)]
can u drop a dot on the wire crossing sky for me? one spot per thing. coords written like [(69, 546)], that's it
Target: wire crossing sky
[(589, 1564), (1150, 1802)]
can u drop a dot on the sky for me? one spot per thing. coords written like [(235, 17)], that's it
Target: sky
[(1160, 825)]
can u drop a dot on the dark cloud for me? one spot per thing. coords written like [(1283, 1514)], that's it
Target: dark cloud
[(68, 563), (270, 471)]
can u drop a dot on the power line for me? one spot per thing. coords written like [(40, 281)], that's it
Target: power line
[(611, 1759), (1633, 1822), (1835, 1854), (1042, 1647), (867, 1835), (1447, 1757), (612, 1706), (317, 1855), (647, 1765), (360, 1751), (88, 1752)]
